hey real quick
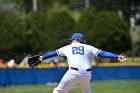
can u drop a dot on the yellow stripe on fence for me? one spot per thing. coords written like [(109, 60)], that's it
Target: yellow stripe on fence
[(119, 64), (66, 65)]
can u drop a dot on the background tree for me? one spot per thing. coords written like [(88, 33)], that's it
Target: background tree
[(104, 30), (11, 36), (24, 31), (35, 28), (60, 25)]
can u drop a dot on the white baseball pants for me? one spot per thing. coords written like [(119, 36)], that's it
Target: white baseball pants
[(72, 78)]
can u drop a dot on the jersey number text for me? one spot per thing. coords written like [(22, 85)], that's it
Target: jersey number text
[(78, 50)]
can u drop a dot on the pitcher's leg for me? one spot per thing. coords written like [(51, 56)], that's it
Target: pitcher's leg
[(68, 81), (85, 84)]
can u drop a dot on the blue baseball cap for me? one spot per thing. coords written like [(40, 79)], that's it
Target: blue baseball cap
[(76, 36)]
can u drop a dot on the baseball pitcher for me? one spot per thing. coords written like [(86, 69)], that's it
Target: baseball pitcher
[(79, 56)]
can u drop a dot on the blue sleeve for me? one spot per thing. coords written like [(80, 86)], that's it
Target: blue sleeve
[(49, 55), (107, 55)]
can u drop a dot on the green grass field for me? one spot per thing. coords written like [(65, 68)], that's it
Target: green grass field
[(126, 86)]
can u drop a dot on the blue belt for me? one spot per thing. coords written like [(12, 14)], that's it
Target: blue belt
[(73, 68)]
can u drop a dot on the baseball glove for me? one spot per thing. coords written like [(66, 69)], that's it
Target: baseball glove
[(34, 61)]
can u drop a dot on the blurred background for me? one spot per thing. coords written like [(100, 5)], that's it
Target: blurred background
[(36, 27)]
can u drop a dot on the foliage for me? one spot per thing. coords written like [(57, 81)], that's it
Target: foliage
[(35, 28), (136, 41), (32, 32), (104, 30), (12, 33), (60, 25)]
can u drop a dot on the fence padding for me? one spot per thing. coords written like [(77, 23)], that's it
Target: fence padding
[(24, 76)]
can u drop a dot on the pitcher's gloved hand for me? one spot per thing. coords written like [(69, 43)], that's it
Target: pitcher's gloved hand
[(34, 61)]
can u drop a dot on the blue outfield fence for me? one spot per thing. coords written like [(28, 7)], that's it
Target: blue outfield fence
[(25, 76), (116, 73)]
